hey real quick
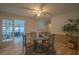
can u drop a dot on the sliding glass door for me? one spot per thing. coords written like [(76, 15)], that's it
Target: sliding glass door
[(12, 31), (18, 31), (6, 32)]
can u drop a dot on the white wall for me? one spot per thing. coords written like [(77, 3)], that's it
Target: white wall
[(35, 25), (59, 20)]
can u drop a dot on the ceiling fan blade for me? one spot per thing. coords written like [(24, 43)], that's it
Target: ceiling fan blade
[(25, 7), (42, 6), (47, 13)]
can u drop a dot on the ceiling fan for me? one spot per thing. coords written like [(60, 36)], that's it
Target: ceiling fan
[(39, 11)]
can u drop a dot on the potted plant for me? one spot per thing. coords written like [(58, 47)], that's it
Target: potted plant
[(70, 29)]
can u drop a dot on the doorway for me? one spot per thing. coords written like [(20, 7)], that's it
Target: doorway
[(6, 32), (18, 31), (12, 31)]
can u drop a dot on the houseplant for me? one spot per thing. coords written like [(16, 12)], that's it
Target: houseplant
[(71, 29)]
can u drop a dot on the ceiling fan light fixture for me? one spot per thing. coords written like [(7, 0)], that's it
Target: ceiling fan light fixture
[(38, 12)]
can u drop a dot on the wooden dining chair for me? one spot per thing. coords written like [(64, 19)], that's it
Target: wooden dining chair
[(27, 44)]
